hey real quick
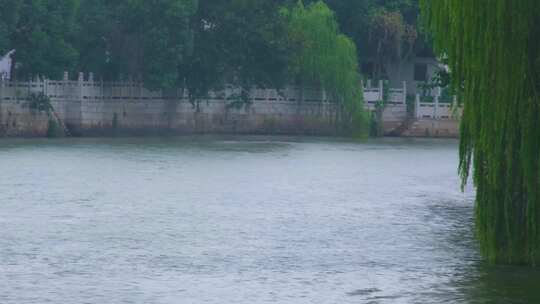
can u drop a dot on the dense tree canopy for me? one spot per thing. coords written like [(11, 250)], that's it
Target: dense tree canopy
[(237, 42), (197, 43), (142, 39), (384, 31), (493, 49), (42, 32), (146, 40)]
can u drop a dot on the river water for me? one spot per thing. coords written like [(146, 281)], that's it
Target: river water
[(242, 220)]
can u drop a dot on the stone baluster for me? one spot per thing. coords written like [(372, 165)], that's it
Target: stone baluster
[(417, 106), (404, 92), (436, 101), (80, 81)]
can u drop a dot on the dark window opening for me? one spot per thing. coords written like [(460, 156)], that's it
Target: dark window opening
[(420, 72), (367, 69)]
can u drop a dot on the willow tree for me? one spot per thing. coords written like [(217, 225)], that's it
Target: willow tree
[(323, 56), (493, 49)]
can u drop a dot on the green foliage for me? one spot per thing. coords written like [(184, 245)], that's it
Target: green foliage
[(386, 92), (40, 102), (374, 125), (53, 129), (326, 58), (115, 122), (42, 32), (199, 45), (4, 40), (411, 104), (146, 40), (165, 38), (493, 49), (237, 42), (383, 30)]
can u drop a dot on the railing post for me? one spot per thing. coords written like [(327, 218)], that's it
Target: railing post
[(381, 91), (417, 105), (1, 90), (436, 105), (404, 92), (80, 80), (369, 83)]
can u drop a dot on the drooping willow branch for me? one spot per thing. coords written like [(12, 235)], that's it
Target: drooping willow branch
[(493, 50), (326, 57)]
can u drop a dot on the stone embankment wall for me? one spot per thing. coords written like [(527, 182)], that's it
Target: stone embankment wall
[(95, 108), (87, 107), (18, 121), (429, 127)]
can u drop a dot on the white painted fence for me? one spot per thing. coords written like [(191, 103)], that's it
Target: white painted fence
[(435, 109), (397, 97), (394, 112), (89, 89), (81, 89)]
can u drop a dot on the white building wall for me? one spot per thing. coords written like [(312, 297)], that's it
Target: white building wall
[(397, 72), (5, 65), (404, 71)]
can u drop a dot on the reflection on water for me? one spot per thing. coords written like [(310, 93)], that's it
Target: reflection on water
[(242, 220), (503, 284)]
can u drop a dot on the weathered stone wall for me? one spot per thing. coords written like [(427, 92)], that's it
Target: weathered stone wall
[(181, 117), (96, 108), (17, 120), (93, 108), (429, 127)]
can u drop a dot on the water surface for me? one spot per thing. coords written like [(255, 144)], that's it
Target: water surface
[(242, 220)]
